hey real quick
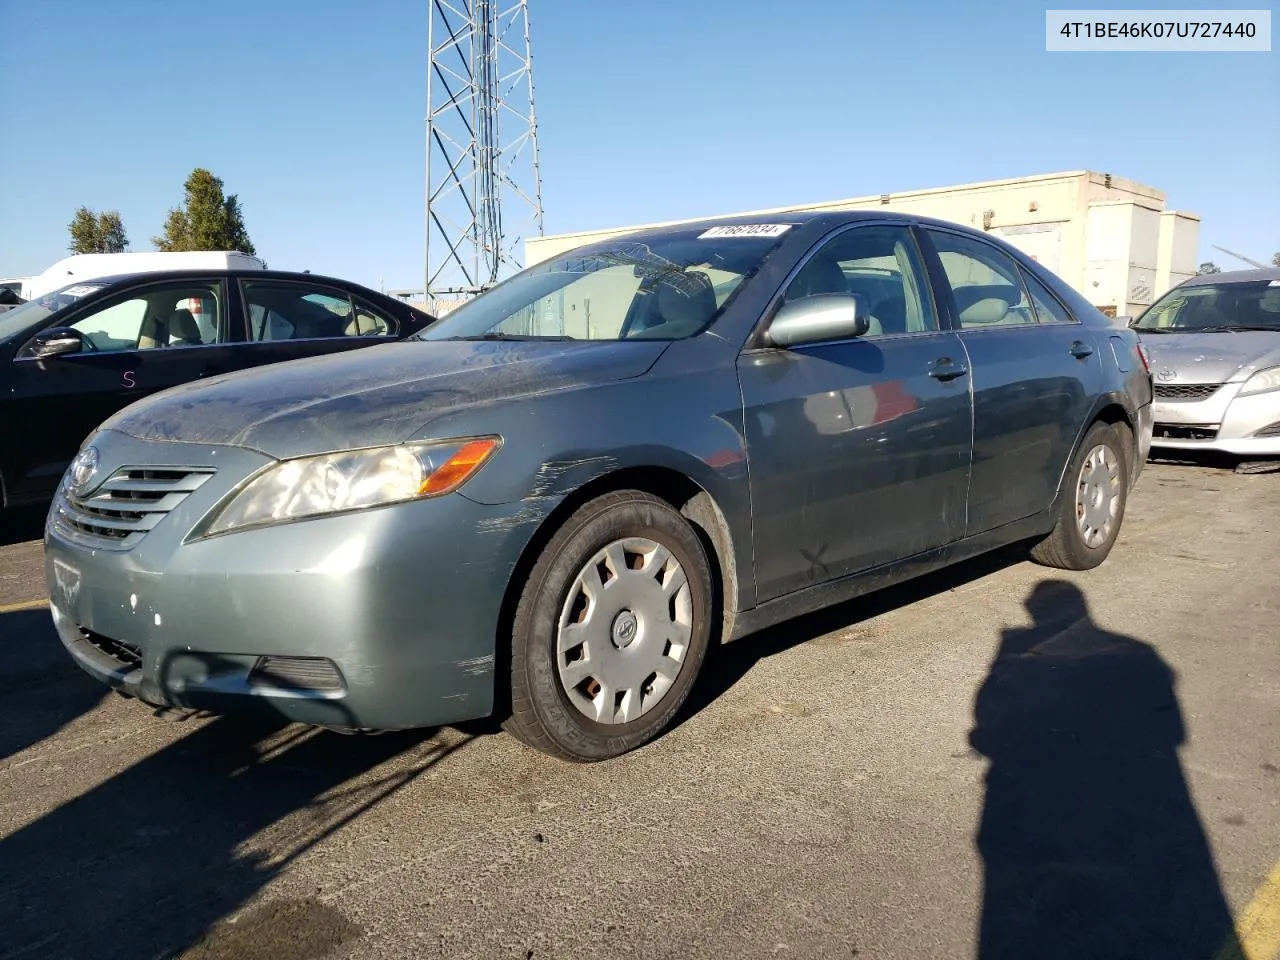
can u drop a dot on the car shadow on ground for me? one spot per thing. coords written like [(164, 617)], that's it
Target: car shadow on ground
[(41, 689), (20, 524), (1089, 837), (728, 663), (147, 863)]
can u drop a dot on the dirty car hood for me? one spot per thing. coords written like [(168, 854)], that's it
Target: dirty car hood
[(371, 396), (1210, 357)]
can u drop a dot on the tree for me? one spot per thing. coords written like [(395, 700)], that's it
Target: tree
[(97, 232), (207, 220), (1209, 267), (1275, 260)]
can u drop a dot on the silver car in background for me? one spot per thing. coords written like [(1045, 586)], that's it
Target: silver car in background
[(1214, 347)]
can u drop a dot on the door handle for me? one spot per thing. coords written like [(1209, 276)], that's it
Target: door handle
[(945, 369), (1080, 350)]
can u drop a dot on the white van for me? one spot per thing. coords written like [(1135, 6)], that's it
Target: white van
[(90, 266)]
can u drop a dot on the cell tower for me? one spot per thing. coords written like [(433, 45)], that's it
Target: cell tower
[(483, 185)]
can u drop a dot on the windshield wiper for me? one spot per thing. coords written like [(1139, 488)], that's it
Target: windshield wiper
[(512, 336), (1251, 326)]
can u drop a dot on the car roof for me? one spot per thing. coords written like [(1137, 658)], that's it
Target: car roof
[(798, 217), (1234, 276), (200, 273)]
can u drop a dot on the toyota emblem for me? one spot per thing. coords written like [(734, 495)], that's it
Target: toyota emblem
[(83, 469), (1166, 375)]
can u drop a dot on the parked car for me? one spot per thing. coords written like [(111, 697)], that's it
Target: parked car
[(545, 513), (1214, 344), (72, 358)]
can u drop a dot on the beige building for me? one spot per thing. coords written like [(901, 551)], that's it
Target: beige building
[(1112, 239)]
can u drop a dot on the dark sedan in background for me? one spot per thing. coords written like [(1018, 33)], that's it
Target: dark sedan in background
[(72, 358), (549, 504)]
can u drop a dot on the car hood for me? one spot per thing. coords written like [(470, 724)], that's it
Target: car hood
[(1210, 357), (371, 396)]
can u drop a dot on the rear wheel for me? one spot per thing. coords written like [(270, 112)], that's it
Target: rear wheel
[(611, 629), (1092, 506)]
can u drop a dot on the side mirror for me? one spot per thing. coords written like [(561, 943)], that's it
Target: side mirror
[(54, 342), (822, 316)]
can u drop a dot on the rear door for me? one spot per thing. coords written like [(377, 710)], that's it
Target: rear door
[(145, 338), (1035, 374), (292, 319)]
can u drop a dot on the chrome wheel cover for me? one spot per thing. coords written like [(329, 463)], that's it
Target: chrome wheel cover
[(624, 630), (1098, 496)]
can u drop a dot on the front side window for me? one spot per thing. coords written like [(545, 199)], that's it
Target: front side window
[(21, 319), (286, 310), (661, 288), (1251, 305), (883, 266), (190, 315), (985, 282)]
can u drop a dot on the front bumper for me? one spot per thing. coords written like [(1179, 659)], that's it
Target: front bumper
[(382, 619), (1223, 422)]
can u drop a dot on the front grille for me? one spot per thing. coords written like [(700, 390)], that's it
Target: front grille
[(126, 654), (1186, 431), (1270, 430), (1185, 391), (128, 505), (314, 674)]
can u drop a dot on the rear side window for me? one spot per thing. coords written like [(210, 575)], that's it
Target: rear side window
[(1048, 309), (284, 310), (985, 282)]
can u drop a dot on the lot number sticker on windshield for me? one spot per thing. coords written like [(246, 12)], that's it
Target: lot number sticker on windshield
[(746, 230)]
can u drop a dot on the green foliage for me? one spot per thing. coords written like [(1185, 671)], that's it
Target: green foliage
[(1209, 267), (207, 220), (1275, 259), (97, 232)]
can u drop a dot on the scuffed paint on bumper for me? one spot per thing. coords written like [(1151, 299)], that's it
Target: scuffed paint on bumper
[(402, 600)]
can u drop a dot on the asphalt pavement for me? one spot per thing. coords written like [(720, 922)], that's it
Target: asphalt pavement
[(997, 761)]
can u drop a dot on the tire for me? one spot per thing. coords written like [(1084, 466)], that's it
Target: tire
[(1080, 539), (558, 704)]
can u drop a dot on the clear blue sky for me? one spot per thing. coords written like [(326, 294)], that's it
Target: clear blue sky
[(313, 113)]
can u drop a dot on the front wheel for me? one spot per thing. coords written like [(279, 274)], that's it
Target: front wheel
[(611, 629), (1092, 505)]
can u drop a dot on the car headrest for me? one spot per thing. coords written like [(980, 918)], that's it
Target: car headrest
[(819, 275), (986, 310), (183, 327), (687, 301)]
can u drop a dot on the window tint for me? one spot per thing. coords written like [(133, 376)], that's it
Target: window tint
[(154, 318), (282, 310), (986, 283), (880, 263), (1048, 309)]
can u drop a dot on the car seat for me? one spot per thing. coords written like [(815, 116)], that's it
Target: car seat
[(183, 329)]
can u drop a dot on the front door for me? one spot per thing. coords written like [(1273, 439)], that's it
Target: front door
[(1035, 374), (858, 449), (145, 339)]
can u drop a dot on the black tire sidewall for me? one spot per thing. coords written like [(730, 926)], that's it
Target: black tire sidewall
[(534, 641)]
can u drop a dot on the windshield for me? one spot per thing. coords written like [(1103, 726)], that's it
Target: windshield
[(660, 288), (33, 311), (1252, 305)]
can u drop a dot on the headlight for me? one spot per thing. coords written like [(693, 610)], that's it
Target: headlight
[(335, 482), (1263, 381)]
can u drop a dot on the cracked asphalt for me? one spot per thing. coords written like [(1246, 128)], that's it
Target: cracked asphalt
[(997, 761)]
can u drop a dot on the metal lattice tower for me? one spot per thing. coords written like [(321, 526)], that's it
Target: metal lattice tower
[(484, 188)]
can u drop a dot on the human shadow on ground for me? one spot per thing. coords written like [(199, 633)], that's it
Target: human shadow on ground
[(1089, 837)]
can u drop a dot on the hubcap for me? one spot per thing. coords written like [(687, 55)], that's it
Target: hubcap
[(1098, 496), (624, 630)]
